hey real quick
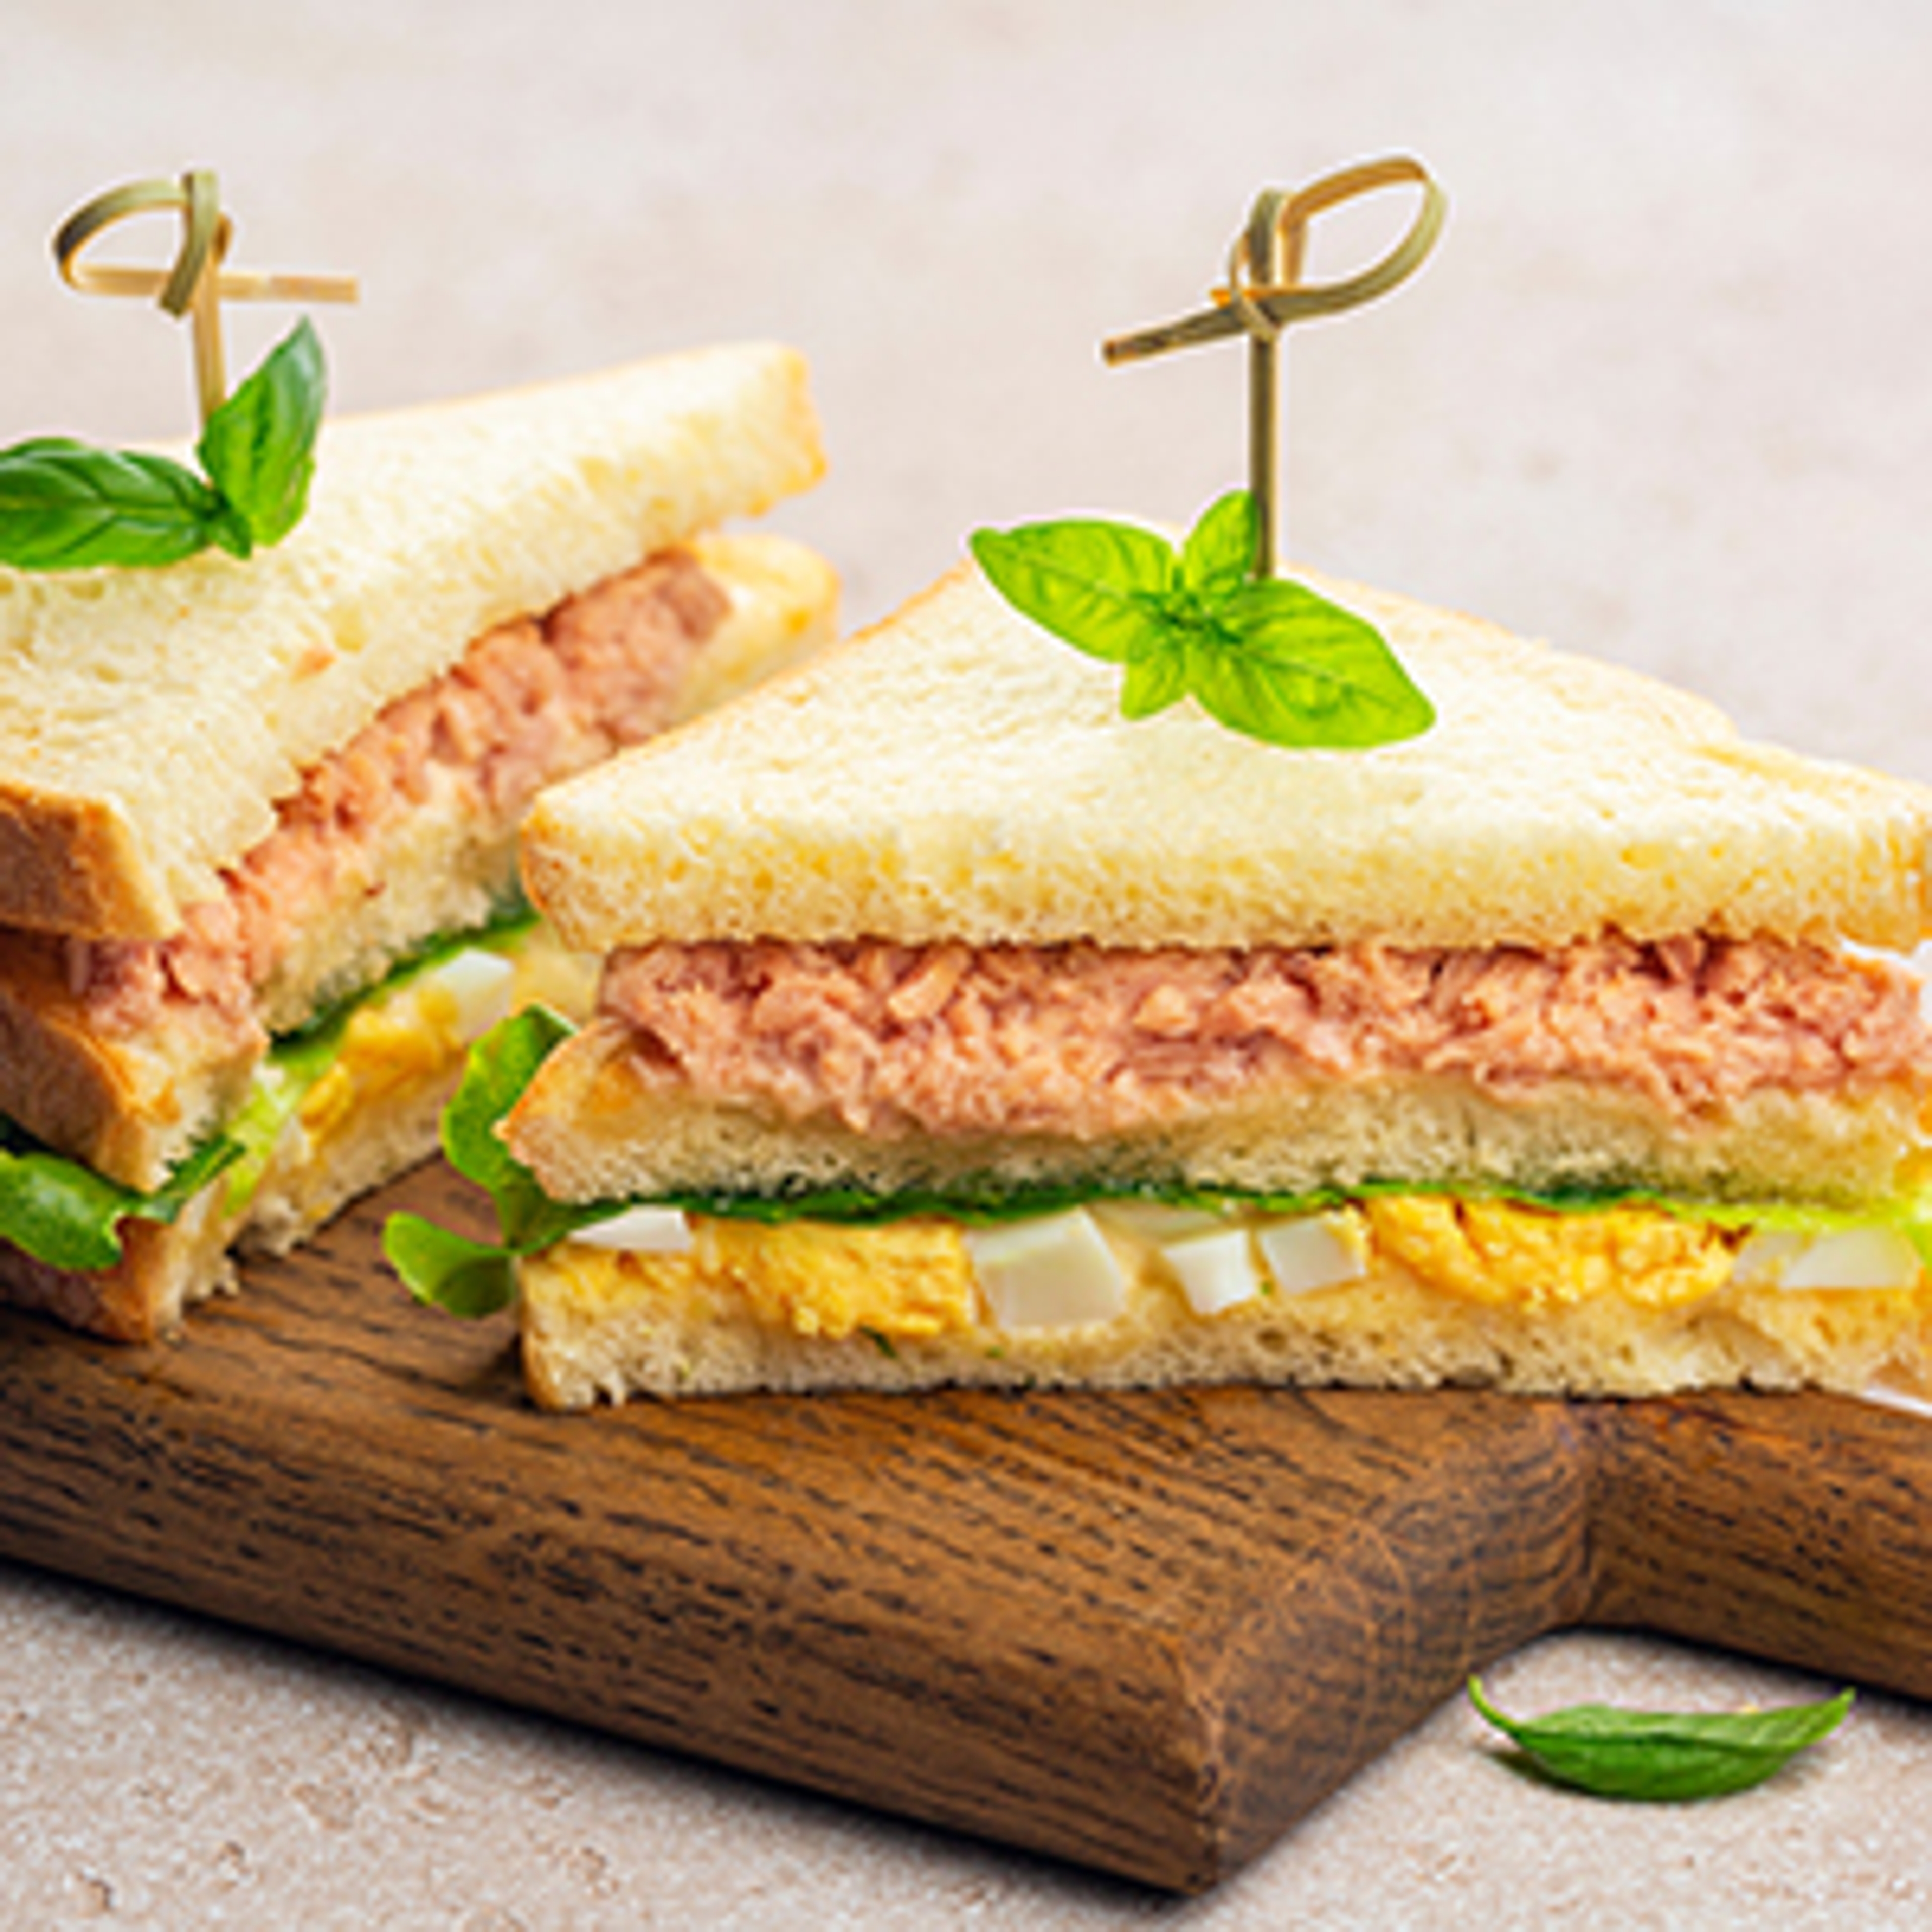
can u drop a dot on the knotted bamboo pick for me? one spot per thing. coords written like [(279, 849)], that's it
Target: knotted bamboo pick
[(196, 283), (1265, 296)]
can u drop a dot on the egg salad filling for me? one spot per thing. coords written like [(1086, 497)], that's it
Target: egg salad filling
[(927, 1276)]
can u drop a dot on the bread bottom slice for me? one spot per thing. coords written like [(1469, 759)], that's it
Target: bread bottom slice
[(604, 1325)]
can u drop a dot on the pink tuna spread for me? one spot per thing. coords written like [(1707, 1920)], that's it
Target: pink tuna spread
[(529, 703), (1082, 1040)]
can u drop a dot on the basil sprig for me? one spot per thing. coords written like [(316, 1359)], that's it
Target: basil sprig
[(1664, 1756), (68, 505), (1262, 655)]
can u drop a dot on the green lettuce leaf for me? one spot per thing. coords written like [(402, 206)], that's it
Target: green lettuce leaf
[(450, 1271), (67, 1216)]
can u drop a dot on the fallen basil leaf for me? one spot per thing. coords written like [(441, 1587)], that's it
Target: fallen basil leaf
[(1664, 1756), (66, 506)]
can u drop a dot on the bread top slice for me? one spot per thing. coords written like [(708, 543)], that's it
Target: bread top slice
[(955, 773), (150, 720)]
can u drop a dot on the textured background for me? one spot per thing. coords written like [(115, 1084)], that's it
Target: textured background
[(1660, 396)]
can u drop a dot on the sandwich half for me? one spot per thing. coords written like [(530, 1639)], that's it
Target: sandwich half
[(952, 1029), (257, 819)]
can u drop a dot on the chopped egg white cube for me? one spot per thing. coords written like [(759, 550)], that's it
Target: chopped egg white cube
[(640, 1231), (1850, 1257), (1215, 1271), (1055, 1271), (1313, 1251), (480, 984)]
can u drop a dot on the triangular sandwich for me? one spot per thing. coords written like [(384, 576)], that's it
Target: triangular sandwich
[(954, 1029)]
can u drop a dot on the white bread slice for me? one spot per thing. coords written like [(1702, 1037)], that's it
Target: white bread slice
[(957, 774), (149, 721), (133, 1107)]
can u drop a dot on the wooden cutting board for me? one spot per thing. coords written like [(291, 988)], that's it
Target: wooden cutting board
[(1145, 1632)]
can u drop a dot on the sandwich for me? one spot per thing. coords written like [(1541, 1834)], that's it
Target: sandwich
[(953, 1028), (258, 882)]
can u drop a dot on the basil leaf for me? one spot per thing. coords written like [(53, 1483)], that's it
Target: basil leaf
[(1264, 657), (468, 1278), (1287, 666), (1221, 549), (1664, 1756), (1097, 586), (260, 445), (65, 506)]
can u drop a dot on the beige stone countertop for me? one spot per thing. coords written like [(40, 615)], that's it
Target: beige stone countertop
[(1662, 396)]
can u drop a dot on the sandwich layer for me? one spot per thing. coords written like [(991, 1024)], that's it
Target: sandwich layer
[(1408, 1293), (125, 1053), (427, 528), (1723, 1067), (957, 774)]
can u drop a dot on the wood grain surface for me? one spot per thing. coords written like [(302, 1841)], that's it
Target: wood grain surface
[(1145, 1633)]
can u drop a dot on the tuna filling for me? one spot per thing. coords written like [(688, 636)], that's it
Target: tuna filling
[(529, 703), (1085, 1040)]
